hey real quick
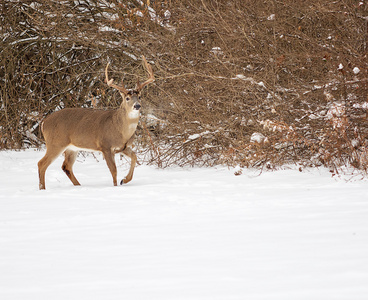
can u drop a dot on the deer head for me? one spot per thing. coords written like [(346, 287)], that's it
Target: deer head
[(131, 98)]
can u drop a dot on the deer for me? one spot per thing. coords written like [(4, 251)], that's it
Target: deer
[(71, 130)]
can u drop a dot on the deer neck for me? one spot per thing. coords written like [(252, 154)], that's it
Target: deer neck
[(128, 121)]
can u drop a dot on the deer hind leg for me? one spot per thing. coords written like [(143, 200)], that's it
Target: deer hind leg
[(70, 157), (133, 160), (43, 164), (110, 161)]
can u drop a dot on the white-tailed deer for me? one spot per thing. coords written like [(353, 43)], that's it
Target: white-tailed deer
[(109, 131)]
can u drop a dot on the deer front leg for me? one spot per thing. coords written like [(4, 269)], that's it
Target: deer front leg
[(110, 161), (133, 160)]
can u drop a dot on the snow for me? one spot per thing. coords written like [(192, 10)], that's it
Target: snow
[(356, 70), (261, 83), (257, 137), (363, 105), (337, 109), (199, 135), (180, 233), (108, 29), (167, 14), (217, 51)]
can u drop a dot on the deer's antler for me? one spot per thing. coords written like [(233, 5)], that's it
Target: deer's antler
[(110, 82), (151, 77)]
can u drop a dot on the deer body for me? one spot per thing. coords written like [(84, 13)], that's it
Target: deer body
[(93, 129), (109, 131)]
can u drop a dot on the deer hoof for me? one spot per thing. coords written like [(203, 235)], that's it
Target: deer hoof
[(124, 181)]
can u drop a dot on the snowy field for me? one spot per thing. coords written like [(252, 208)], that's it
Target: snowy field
[(180, 234)]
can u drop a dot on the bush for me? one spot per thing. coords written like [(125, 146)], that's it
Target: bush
[(293, 72)]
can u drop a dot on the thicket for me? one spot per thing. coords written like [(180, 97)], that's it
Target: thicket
[(249, 83)]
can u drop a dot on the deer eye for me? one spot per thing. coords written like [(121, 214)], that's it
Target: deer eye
[(127, 99)]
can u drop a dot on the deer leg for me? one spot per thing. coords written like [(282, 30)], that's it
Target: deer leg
[(133, 160), (44, 163), (70, 157), (110, 161)]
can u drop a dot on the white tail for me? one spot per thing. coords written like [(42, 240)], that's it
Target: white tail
[(108, 131)]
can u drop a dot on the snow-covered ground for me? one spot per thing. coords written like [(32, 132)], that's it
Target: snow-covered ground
[(180, 233)]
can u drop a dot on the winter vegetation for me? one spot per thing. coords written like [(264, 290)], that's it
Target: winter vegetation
[(236, 83), (240, 87)]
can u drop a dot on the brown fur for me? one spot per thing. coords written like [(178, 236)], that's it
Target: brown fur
[(108, 131)]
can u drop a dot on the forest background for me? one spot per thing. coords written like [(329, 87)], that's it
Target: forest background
[(246, 83)]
